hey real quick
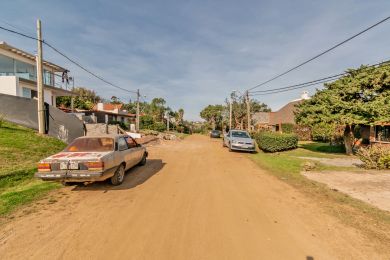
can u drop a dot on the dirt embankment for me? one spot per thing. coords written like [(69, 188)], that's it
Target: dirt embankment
[(193, 200)]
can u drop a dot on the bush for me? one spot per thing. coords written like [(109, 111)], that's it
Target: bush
[(287, 128), (276, 142), (375, 157), (303, 132), (2, 119), (159, 126), (146, 122)]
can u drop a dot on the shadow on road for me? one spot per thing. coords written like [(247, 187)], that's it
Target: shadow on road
[(134, 177)]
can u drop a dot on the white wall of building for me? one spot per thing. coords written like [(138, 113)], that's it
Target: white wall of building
[(8, 85)]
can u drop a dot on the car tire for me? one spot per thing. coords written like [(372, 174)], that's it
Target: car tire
[(119, 175), (143, 160)]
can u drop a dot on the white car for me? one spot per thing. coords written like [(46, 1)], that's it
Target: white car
[(97, 158), (239, 140)]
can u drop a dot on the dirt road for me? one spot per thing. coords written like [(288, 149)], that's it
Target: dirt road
[(193, 200)]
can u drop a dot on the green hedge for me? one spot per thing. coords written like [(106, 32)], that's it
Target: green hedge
[(276, 142)]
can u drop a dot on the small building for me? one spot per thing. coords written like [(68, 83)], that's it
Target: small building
[(376, 134), (107, 112), (18, 75), (274, 120)]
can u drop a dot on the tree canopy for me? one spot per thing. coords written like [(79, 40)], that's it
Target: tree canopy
[(83, 99), (360, 97)]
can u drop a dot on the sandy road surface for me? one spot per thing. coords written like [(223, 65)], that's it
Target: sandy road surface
[(193, 200)]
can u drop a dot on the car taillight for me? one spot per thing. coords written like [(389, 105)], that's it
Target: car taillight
[(94, 166), (44, 167)]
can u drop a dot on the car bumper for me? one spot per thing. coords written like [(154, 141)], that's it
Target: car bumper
[(75, 176), (241, 148)]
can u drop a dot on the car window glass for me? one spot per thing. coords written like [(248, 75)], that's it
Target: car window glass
[(91, 144), (240, 134), (130, 142), (122, 145)]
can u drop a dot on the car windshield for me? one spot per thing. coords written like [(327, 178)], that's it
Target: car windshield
[(240, 134), (215, 131), (93, 144)]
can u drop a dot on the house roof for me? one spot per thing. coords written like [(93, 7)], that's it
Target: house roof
[(6, 46), (108, 106), (285, 114)]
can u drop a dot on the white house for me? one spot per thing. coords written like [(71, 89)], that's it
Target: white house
[(18, 75)]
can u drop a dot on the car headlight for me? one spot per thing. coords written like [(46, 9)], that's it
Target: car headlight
[(235, 142)]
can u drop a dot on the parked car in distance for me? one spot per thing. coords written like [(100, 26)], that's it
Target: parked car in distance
[(215, 134), (97, 158), (239, 140)]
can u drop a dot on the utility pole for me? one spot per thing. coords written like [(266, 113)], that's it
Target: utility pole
[(168, 121), (72, 97), (248, 110), (41, 104), (137, 118), (230, 113)]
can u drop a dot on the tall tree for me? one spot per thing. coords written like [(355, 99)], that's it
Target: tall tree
[(361, 97), (213, 115), (180, 115), (84, 99)]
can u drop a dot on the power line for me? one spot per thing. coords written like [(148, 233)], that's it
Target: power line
[(310, 83), (320, 54), (296, 85), (85, 69), (293, 88), (69, 59)]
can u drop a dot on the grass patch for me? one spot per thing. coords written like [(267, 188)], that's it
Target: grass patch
[(20, 150), (287, 167), (323, 147)]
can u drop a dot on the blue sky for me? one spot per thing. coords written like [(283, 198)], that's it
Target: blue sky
[(194, 53)]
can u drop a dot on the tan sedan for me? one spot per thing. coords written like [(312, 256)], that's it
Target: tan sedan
[(97, 158)]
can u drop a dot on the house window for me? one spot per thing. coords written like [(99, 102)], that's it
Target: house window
[(6, 66), (382, 133), (26, 92), (25, 70), (48, 78)]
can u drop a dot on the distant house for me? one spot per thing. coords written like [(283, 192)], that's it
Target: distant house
[(376, 134), (18, 75), (107, 112), (274, 120)]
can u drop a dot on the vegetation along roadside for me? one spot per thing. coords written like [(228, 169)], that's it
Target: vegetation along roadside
[(287, 166), (20, 150)]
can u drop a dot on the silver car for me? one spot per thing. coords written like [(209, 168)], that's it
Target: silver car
[(239, 140), (97, 158)]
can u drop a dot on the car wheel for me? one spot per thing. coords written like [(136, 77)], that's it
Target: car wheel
[(143, 161), (119, 175)]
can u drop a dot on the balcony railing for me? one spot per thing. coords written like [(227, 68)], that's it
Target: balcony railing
[(49, 79)]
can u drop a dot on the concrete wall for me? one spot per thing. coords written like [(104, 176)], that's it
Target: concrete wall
[(23, 111), (100, 129)]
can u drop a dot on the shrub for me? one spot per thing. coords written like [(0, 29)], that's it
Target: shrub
[(2, 119), (303, 132), (287, 128), (159, 126), (375, 157), (276, 142), (146, 122)]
